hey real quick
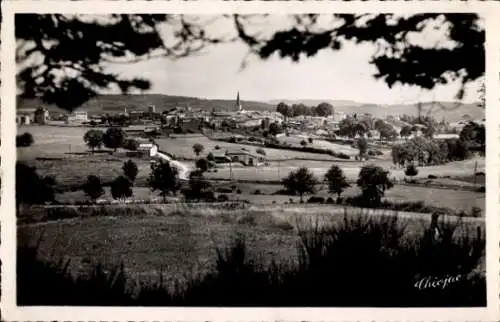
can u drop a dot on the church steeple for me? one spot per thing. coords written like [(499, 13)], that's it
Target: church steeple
[(238, 103)]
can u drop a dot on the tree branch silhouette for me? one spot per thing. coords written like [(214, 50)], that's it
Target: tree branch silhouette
[(63, 58)]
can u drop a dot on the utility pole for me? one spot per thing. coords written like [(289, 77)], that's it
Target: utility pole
[(475, 171)]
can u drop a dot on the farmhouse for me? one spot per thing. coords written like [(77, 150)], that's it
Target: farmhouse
[(77, 117), (26, 116), (245, 157)]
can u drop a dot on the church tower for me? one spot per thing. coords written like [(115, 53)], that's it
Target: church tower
[(238, 106)]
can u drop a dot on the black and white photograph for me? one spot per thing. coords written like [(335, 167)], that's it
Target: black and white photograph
[(293, 160)]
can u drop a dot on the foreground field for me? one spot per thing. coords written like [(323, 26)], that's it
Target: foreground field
[(177, 243)]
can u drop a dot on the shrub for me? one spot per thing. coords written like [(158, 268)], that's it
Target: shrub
[(481, 189), (256, 192), (223, 190), (24, 140), (330, 200), (217, 147), (238, 191), (130, 144), (316, 199), (113, 138), (431, 176), (222, 198), (476, 211)]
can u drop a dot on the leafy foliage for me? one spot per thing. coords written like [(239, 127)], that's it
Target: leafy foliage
[(203, 164), (93, 187), (31, 188), (113, 138), (362, 145), (198, 148), (300, 181), (164, 177), (130, 170), (199, 188), (63, 57), (93, 139), (411, 170), (373, 182), (336, 180), (24, 140), (121, 188)]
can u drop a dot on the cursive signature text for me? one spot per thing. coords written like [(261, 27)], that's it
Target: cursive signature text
[(437, 282)]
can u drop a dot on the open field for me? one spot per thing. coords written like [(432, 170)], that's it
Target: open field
[(182, 147), (184, 243), (295, 140), (277, 171)]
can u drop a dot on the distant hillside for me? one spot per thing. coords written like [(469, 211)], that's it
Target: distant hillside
[(315, 102), (116, 103), (450, 112)]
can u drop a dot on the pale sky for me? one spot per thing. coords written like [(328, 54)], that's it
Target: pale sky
[(330, 75)]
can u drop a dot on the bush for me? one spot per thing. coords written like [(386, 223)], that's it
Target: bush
[(476, 211), (431, 176), (223, 190), (222, 198), (238, 191), (330, 200), (341, 155), (256, 192), (24, 140), (481, 189), (316, 199), (130, 144)]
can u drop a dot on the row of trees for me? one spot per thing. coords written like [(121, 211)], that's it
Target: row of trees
[(322, 109), (113, 138), (427, 151), (372, 180)]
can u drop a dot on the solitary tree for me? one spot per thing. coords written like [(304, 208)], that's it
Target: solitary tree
[(164, 177), (113, 138), (121, 188), (310, 140), (93, 188), (406, 131), (198, 148), (300, 181), (261, 151), (199, 188), (130, 170), (93, 139), (303, 143), (336, 181), (411, 170), (324, 109), (275, 128), (373, 182), (202, 164), (362, 145)]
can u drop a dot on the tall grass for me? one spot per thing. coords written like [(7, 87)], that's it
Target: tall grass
[(357, 261)]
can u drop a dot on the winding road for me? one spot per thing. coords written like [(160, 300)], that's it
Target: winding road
[(183, 169)]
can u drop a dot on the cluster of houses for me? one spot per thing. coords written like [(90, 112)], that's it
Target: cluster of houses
[(42, 116)]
